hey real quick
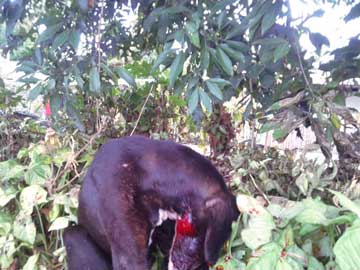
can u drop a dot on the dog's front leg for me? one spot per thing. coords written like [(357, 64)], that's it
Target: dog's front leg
[(128, 230)]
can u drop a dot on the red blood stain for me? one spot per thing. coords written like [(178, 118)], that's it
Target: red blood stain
[(184, 226)]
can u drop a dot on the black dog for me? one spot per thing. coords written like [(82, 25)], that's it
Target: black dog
[(134, 184)]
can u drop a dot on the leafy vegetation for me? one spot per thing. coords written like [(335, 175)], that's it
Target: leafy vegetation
[(170, 69)]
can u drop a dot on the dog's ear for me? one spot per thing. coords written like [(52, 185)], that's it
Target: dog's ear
[(221, 211)]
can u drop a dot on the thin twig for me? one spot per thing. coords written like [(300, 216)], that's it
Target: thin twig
[(70, 181), (78, 153), (142, 109), (259, 189), (298, 54)]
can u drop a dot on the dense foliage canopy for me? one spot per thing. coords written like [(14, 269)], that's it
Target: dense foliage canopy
[(165, 68)]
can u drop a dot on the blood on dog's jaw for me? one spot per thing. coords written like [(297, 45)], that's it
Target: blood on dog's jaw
[(187, 250)]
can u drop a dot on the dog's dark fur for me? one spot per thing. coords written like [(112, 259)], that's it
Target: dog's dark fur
[(132, 178)]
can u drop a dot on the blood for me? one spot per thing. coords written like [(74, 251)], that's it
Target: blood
[(184, 226)]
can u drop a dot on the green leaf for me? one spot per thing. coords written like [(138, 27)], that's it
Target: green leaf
[(261, 222), (281, 51), (214, 89), (123, 73), (193, 101), (239, 46), (280, 133), (162, 57), (347, 203), (24, 228), (354, 13), (236, 55), (339, 99), (59, 224), (35, 92), (31, 196), (176, 68), (5, 197), (10, 169), (319, 40), (347, 248), (60, 39), (7, 244), (192, 33), (74, 38), (95, 83), (269, 126), (37, 174), (224, 61), (49, 32), (267, 257), (220, 82), (205, 100), (31, 263), (204, 58), (270, 17), (55, 103), (314, 264)]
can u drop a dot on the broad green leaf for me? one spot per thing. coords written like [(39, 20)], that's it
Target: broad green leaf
[(31, 196), (193, 101), (74, 38), (10, 169), (5, 223), (339, 99), (236, 55), (286, 238), (224, 61), (31, 263), (35, 92), (60, 39), (281, 51), (314, 264), (7, 243), (95, 83), (354, 13), (123, 73), (283, 264), (347, 203), (265, 257), (280, 133), (205, 100), (193, 34), (55, 103), (59, 224), (220, 82), (270, 17), (261, 222), (24, 228), (214, 89), (49, 32), (269, 126), (6, 196), (204, 58), (239, 46), (37, 174), (319, 40), (162, 58), (176, 68), (314, 212), (347, 248), (54, 212)]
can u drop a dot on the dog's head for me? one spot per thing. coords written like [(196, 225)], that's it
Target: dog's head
[(197, 243)]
